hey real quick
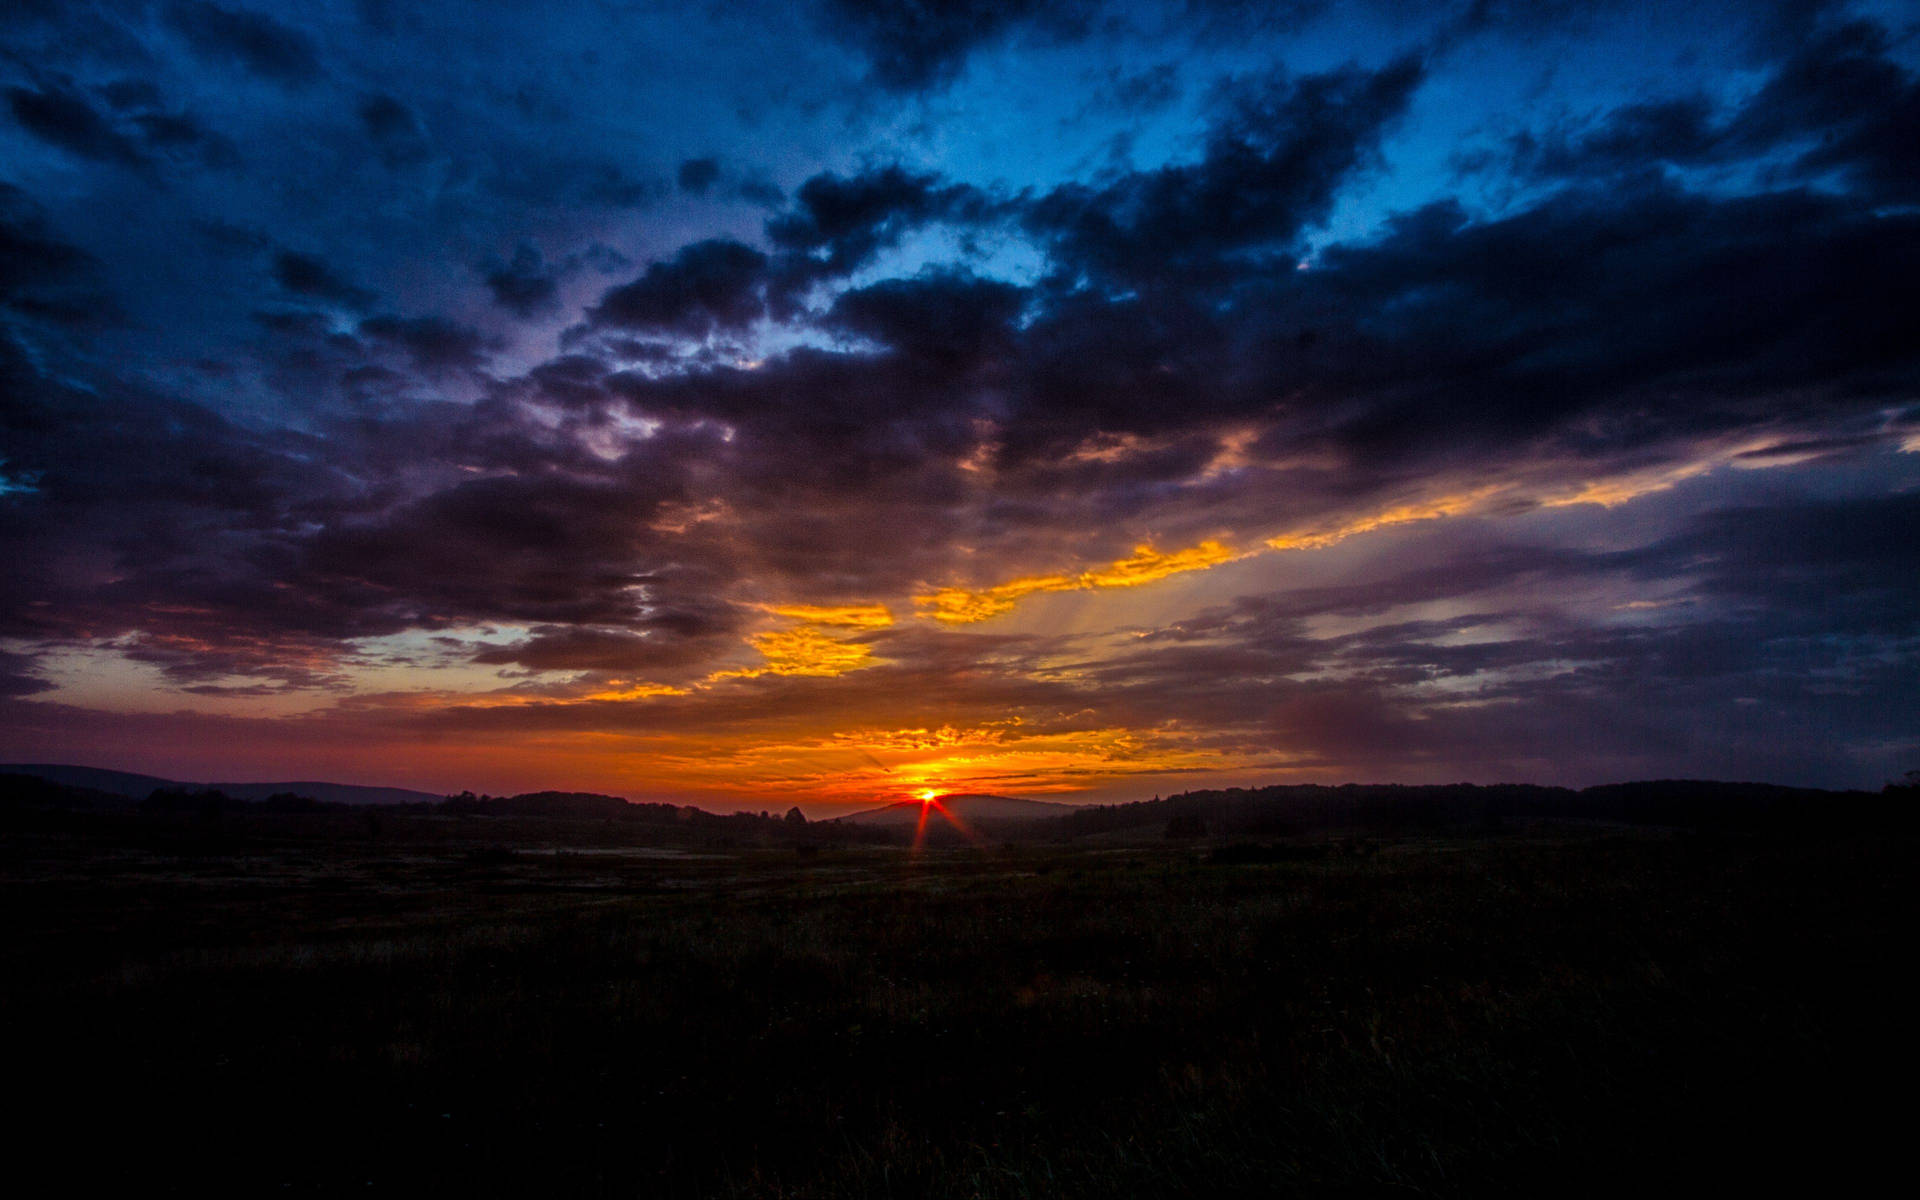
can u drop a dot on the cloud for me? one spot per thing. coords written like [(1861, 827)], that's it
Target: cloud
[(253, 40), (135, 130), (394, 130), (1398, 514), (947, 319), (912, 45), (1274, 159), (523, 284), (433, 343), (1847, 106), (806, 651), (850, 616), (663, 639), (1837, 105), (312, 276), (63, 117), (962, 606), (40, 274), (840, 222), (17, 675), (698, 175), (708, 286)]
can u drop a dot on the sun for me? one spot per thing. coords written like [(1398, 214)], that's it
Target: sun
[(927, 795)]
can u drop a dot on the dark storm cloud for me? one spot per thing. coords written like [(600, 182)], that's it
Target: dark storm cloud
[(523, 283), (697, 175), (708, 286), (310, 275), (839, 222), (394, 130), (253, 40), (914, 44), (949, 320), (37, 268), (1808, 563), (134, 130), (1273, 162), (1466, 331), (609, 184), (149, 513), (832, 430), (1838, 104), (1682, 132), (176, 134), (433, 343), (557, 550), (17, 677), (235, 556), (1444, 336), (1847, 107), (661, 640), (60, 115)]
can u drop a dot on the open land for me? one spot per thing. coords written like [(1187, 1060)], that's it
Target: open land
[(337, 1003)]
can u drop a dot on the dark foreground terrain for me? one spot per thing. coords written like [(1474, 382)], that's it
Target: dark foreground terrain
[(1543, 1010)]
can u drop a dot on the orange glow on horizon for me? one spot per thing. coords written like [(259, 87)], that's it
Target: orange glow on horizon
[(952, 713), (930, 804)]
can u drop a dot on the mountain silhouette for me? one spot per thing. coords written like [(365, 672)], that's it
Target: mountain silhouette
[(138, 787)]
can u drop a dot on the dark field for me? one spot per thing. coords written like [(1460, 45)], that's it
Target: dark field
[(1547, 1010)]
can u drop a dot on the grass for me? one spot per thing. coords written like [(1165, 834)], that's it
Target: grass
[(1564, 1011)]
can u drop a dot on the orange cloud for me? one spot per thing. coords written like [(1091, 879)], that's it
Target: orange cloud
[(1621, 488), (636, 691), (808, 649), (848, 616), (965, 606), (803, 651), (1399, 514)]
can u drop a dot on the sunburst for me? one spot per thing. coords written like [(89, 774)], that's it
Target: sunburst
[(930, 804)]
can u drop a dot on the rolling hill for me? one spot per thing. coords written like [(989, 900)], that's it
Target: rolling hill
[(138, 787)]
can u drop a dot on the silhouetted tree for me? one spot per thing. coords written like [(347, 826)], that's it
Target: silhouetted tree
[(289, 802), (796, 818), (207, 805)]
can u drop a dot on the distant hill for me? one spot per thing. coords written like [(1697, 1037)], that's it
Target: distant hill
[(118, 783), (559, 804), (328, 793), (1311, 809), (966, 808), (32, 792), (138, 787)]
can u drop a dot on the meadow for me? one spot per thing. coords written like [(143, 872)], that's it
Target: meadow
[(456, 1007)]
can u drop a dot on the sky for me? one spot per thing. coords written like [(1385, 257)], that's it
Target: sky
[(758, 404)]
